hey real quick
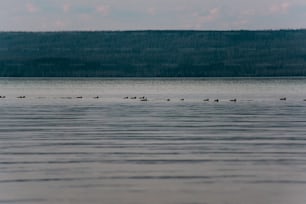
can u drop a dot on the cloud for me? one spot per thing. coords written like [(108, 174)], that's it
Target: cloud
[(248, 12), (152, 11), (59, 24), (213, 14), (155, 14), (280, 8), (31, 8), (201, 20), (104, 10), (66, 7)]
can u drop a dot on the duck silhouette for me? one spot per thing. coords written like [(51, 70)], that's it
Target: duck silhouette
[(144, 99)]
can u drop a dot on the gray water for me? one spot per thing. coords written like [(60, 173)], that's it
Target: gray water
[(55, 148)]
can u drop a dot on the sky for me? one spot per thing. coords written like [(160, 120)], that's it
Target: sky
[(60, 15)]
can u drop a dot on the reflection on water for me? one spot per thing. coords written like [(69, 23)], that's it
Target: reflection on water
[(111, 150)]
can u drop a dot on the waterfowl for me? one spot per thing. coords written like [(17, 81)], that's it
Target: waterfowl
[(97, 97), (168, 99), (216, 100), (283, 99), (126, 97), (21, 97), (144, 99), (134, 97), (233, 100), (182, 99), (207, 99), (2, 96), (79, 97)]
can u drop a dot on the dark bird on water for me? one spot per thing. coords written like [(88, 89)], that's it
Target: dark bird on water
[(233, 100), (283, 99), (207, 99), (144, 99), (168, 99), (79, 97), (216, 100), (97, 97)]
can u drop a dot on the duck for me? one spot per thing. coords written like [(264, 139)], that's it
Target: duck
[(168, 99), (144, 99), (283, 99), (207, 99), (182, 99), (21, 97), (126, 97), (233, 100), (97, 97), (134, 97), (216, 100), (79, 97), (2, 96)]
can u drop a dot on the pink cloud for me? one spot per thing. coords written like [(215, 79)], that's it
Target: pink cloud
[(103, 10), (31, 8), (213, 14), (280, 8), (66, 7), (59, 24), (151, 11)]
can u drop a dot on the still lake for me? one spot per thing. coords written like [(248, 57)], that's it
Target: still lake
[(56, 148)]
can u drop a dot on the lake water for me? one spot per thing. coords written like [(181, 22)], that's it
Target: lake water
[(58, 149)]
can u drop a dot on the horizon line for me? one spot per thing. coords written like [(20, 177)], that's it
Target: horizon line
[(155, 30)]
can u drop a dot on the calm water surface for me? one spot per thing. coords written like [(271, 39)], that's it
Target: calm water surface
[(55, 148)]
